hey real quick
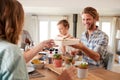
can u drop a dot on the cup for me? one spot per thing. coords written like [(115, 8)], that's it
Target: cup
[(82, 73)]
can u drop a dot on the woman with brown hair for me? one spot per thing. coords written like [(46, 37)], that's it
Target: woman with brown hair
[(12, 63)]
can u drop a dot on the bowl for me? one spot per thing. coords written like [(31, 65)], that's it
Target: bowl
[(39, 66), (38, 63)]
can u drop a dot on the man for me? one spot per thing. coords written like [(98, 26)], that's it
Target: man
[(94, 42)]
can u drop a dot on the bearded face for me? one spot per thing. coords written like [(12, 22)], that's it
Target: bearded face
[(88, 21)]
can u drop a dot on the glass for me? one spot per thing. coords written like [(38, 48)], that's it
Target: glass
[(68, 60)]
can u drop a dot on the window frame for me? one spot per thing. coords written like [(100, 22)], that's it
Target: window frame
[(49, 19), (106, 19)]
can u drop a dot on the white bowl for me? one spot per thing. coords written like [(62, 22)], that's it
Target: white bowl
[(39, 66)]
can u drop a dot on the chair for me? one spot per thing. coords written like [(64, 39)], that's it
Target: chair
[(109, 61)]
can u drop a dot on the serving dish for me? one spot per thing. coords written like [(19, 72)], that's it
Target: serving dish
[(66, 41)]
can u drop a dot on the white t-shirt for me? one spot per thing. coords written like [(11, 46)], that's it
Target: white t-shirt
[(67, 48)]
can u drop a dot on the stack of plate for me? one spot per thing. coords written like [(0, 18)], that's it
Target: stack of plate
[(30, 67)]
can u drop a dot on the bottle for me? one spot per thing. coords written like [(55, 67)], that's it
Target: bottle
[(56, 51), (50, 57)]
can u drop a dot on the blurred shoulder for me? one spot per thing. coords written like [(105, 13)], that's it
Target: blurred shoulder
[(9, 47)]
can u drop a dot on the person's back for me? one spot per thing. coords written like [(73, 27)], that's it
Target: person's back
[(10, 61)]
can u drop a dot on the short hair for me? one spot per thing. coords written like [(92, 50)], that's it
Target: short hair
[(92, 11), (11, 20), (64, 22)]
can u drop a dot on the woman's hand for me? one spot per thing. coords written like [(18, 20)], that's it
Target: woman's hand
[(48, 43)]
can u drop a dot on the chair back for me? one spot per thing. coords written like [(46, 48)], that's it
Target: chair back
[(109, 61)]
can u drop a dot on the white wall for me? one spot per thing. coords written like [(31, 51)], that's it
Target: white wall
[(28, 24)]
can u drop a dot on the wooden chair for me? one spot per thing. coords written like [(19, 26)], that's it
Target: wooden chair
[(109, 61)]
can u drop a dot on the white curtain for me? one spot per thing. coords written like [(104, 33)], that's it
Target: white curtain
[(35, 26), (31, 25), (113, 34), (113, 40), (118, 40)]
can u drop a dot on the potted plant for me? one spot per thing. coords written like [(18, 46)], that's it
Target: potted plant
[(57, 58), (82, 70), (68, 61)]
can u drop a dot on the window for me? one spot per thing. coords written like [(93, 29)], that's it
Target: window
[(47, 30), (54, 29), (48, 27), (43, 30), (97, 23), (105, 25)]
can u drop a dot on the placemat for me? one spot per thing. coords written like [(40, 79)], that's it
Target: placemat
[(35, 74)]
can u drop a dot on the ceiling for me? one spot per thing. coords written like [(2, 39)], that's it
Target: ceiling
[(67, 7)]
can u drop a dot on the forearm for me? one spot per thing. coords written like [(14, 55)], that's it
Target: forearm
[(35, 50), (32, 52), (92, 54)]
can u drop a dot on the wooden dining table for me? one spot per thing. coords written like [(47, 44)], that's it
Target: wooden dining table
[(52, 73)]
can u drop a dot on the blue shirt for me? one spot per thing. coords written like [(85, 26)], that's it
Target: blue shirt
[(12, 63), (98, 42)]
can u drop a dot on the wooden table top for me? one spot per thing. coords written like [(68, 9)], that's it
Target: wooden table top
[(105, 74), (99, 74), (48, 75)]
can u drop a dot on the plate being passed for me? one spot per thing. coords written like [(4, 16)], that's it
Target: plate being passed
[(30, 69), (66, 41)]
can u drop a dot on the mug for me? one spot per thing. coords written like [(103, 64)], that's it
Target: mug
[(82, 73)]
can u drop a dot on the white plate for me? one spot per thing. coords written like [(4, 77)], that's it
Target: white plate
[(30, 69)]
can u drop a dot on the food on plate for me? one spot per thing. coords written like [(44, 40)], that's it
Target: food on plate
[(36, 61)]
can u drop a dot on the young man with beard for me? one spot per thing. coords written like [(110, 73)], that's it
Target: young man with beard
[(93, 42)]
